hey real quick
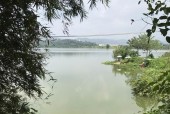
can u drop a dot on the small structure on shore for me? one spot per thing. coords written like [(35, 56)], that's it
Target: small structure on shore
[(127, 57), (119, 57)]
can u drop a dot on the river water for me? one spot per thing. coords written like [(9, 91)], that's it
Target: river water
[(86, 86)]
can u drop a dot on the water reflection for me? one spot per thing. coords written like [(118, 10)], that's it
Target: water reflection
[(85, 86), (117, 70), (144, 102), (75, 52)]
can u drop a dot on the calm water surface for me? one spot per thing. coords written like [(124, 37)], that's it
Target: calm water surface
[(86, 86)]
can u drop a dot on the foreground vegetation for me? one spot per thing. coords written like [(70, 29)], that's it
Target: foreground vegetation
[(148, 81)]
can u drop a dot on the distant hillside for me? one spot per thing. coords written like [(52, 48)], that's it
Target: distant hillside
[(111, 41), (104, 41), (67, 43)]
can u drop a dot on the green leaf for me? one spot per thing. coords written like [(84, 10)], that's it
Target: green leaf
[(168, 19), (168, 39), (150, 7), (155, 21), (158, 5), (149, 32), (161, 24), (166, 11), (153, 28), (164, 31), (163, 17), (162, 8)]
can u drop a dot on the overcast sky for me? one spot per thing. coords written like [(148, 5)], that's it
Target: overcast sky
[(108, 20)]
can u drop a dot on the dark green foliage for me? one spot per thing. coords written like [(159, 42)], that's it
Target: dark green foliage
[(151, 56), (155, 80), (158, 12), (159, 86), (12, 103), (168, 39), (150, 81), (20, 65), (68, 43)]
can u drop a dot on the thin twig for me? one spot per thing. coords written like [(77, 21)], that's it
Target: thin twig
[(146, 22)]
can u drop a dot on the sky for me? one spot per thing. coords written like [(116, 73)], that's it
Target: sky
[(115, 19)]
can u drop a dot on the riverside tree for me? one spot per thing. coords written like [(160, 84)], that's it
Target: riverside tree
[(134, 43), (21, 66), (145, 43)]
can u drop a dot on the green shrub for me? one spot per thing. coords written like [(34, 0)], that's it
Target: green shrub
[(124, 51)]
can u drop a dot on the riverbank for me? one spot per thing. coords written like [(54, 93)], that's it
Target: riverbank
[(148, 81)]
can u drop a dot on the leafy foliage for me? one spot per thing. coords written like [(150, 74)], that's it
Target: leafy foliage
[(158, 12), (145, 43), (12, 103), (155, 80), (134, 43), (124, 51), (130, 68), (151, 81)]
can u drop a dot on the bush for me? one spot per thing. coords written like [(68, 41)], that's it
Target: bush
[(133, 53), (151, 56), (124, 51)]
